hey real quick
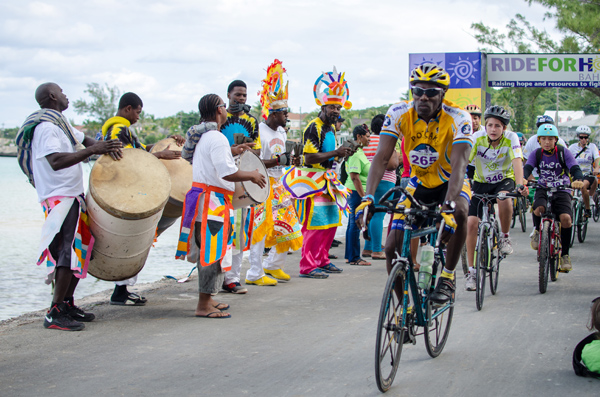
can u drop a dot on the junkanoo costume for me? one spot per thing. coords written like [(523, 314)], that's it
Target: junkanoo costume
[(66, 238), (206, 234), (275, 223), (320, 196)]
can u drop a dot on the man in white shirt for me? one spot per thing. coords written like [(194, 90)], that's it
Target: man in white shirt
[(56, 156)]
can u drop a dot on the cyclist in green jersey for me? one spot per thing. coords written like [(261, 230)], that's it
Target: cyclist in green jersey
[(495, 164)]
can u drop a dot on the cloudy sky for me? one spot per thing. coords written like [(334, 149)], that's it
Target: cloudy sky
[(173, 52)]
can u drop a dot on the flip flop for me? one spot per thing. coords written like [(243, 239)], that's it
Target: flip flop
[(378, 255), (360, 262), (330, 268), (316, 273), (222, 308), (210, 315), (331, 256)]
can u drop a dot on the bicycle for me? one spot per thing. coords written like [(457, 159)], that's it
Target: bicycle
[(398, 323), (487, 256), (580, 221), (596, 206), (550, 245), (520, 207)]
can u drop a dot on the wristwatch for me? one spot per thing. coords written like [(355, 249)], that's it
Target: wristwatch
[(450, 204)]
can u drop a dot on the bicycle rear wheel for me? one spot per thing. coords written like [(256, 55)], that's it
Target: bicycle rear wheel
[(483, 256), (438, 326), (522, 213), (514, 214), (390, 331), (494, 265), (544, 257), (463, 260)]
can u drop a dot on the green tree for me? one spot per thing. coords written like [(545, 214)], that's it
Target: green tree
[(187, 119), (102, 106)]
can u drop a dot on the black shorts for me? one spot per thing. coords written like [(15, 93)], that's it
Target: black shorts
[(561, 202), (590, 179), (505, 185)]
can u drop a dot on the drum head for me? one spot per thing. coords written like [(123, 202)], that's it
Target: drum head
[(180, 170), (135, 187), (250, 162)]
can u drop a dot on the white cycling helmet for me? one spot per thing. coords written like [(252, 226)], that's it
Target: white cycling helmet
[(584, 129)]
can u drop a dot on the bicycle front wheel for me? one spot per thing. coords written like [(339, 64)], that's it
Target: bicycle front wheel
[(575, 221), (554, 260), (463, 260), (483, 257), (494, 265), (596, 207), (582, 226), (438, 326), (391, 328), (544, 257)]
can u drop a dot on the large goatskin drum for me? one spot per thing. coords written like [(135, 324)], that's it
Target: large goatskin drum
[(182, 176), (125, 202), (248, 193)]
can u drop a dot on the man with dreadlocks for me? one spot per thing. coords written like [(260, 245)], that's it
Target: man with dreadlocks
[(496, 165), (320, 196), (207, 221)]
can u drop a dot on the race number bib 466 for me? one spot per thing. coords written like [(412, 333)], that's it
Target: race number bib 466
[(423, 156)]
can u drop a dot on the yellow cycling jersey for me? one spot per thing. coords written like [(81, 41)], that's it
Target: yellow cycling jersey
[(429, 145)]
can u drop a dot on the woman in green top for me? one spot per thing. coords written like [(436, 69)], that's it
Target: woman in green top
[(357, 167)]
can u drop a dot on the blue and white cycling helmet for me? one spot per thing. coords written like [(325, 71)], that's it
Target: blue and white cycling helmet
[(543, 119), (584, 129), (547, 130)]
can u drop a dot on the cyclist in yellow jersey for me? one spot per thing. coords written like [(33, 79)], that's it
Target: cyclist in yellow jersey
[(437, 140)]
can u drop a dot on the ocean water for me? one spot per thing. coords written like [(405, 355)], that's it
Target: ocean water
[(22, 287)]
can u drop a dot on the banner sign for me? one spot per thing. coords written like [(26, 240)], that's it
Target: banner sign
[(543, 70), (465, 68)]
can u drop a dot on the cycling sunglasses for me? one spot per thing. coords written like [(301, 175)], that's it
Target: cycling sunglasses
[(430, 92), (584, 137)]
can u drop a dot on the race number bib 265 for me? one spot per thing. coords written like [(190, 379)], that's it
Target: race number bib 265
[(423, 156)]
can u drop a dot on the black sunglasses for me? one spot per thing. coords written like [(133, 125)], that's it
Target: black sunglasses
[(583, 137), (430, 92)]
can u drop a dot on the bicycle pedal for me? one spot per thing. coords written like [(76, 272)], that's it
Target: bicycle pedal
[(563, 271)]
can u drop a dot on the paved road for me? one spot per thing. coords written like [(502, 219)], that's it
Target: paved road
[(314, 338)]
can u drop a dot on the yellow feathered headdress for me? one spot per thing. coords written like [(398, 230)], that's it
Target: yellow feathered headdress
[(273, 96)]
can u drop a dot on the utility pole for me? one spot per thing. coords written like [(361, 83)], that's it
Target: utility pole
[(556, 119)]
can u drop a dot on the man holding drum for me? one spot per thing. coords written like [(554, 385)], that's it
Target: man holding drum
[(130, 108), (207, 221), (276, 223), (56, 155), (239, 121), (320, 196)]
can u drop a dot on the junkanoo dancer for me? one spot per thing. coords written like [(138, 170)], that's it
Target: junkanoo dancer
[(206, 234), (275, 223), (320, 196)]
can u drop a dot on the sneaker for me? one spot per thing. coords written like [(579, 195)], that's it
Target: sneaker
[(588, 213), (131, 299), (535, 240), (470, 282), (264, 280), (79, 315), (565, 263), (58, 318), (444, 291), (235, 288), (505, 246), (279, 274)]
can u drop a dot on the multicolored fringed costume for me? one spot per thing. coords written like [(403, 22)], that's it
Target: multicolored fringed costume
[(213, 205), (55, 212)]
